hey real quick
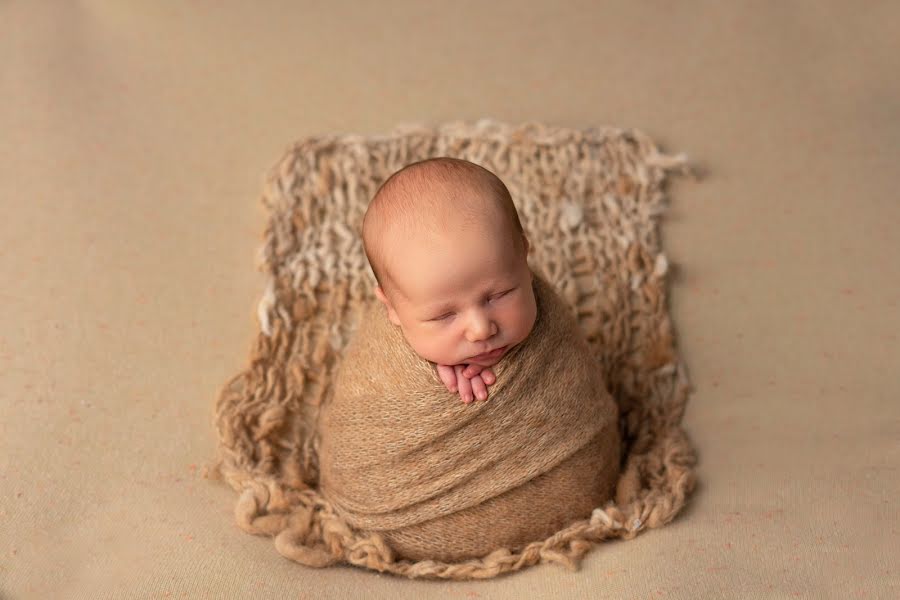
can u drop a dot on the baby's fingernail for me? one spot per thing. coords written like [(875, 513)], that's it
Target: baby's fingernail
[(453, 388), (467, 398), (482, 396)]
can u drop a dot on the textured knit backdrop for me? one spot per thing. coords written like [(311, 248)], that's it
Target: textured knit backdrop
[(589, 201)]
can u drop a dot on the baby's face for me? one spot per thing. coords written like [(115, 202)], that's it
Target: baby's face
[(461, 297)]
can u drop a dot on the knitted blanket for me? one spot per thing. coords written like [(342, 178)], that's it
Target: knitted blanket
[(442, 480), (589, 201)]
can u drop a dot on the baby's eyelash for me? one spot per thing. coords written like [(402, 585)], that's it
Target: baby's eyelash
[(448, 315)]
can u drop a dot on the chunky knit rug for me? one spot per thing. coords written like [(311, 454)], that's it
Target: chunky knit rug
[(589, 200)]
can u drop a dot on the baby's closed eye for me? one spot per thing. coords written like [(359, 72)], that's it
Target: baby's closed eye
[(449, 315)]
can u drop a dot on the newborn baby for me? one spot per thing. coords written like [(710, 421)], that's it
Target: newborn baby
[(448, 481), (449, 254)]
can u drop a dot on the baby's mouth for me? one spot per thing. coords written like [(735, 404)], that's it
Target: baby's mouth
[(492, 354)]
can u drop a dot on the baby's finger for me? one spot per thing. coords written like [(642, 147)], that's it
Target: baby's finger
[(465, 386), (448, 376), (479, 388), (488, 376), (472, 370)]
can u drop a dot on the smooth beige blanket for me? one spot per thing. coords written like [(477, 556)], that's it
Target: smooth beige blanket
[(442, 480), (588, 200)]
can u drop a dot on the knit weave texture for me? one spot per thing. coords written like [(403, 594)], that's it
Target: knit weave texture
[(589, 200)]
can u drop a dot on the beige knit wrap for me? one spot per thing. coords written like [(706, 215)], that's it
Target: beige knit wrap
[(443, 480), (589, 201)]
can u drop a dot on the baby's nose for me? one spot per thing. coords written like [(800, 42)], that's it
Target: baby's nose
[(481, 329)]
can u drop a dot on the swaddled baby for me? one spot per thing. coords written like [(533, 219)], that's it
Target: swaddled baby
[(445, 480), (448, 251)]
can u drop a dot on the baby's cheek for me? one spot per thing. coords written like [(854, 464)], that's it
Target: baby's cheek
[(519, 323), (433, 348)]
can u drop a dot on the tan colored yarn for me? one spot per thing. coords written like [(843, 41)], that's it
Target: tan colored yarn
[(442, 480), (589, 201)]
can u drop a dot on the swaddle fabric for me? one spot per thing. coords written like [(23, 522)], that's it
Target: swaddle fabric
[(443, 480)]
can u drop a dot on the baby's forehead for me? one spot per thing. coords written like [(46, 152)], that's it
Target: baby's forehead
[(465, 260), (480, 239)]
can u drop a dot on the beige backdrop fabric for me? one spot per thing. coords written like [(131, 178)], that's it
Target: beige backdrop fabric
[(134, 141)]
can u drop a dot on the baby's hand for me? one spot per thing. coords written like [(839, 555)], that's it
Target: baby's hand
[(471, 380)]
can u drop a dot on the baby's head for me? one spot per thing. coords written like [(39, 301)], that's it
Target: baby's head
[(445, 243)]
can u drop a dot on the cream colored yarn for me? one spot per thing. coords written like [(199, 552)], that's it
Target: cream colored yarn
[(589, 201)]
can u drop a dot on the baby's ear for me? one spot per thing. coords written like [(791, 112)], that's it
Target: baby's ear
[(379, 293), (392, 314)]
